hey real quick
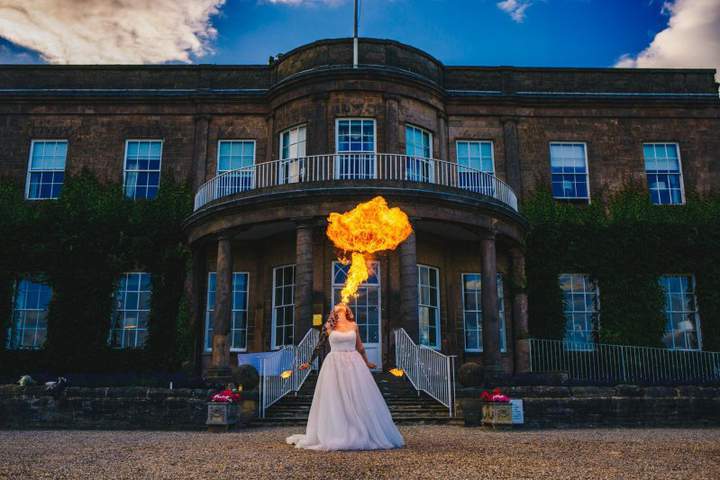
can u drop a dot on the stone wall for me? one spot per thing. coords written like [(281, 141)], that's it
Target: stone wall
[(113, 408), (622, 405)]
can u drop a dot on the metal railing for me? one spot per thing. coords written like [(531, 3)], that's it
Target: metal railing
[(355, 166), (427, 370), (612, 364), (273, 386)]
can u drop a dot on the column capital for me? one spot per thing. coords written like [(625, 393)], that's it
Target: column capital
[(305, 222), (224, 235)]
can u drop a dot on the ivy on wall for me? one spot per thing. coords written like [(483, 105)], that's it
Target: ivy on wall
[(80, 245), (624, 244)]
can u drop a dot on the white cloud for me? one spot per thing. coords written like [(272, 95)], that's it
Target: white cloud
[(691, 39), (111, 31), (515, 8)]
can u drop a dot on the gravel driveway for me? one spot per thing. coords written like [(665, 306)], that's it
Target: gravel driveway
[(432, 452)]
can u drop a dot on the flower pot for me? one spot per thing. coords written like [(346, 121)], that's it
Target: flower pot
[(496, 414), (221, 416)]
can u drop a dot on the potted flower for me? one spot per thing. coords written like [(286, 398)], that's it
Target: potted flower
[(223, 409), (496, 408)]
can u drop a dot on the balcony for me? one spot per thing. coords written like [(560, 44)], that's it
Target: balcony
[(355, 168)]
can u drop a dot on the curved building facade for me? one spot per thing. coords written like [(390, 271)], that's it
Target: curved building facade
[(271, 150)]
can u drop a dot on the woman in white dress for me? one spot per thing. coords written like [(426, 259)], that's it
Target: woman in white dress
[(348, 411)]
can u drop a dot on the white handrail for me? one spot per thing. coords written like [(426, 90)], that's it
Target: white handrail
[(427, 370), (272, 386), (356, 167), (605, 363)]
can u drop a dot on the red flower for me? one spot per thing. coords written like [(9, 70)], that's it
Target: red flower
[(485, 396)]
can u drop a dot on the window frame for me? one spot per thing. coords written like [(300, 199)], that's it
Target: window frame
[(479, 141), (282, 141), (502, 321), (590, 345), (376, 269), (208, 339), (29, 171), (681, 175), (12, 327), (273, 324), (438, 321), (233, 140), (114, 312), (696, 313), (125, 159), (587, 171), (337, 135), (422, 130)]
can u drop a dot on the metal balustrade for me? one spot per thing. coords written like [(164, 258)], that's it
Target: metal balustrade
[(613, 364), (427, 369), (355, 166), (272, 386)]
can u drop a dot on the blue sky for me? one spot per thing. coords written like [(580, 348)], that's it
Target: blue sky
[(583, 33), (458, 32)]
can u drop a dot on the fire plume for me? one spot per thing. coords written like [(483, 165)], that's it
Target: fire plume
[(368, 228)]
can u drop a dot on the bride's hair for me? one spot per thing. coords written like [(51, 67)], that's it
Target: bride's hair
[(332, 318)]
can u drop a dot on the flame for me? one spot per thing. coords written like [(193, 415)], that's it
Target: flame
[(398, 372), (286, 374), (368, 228)]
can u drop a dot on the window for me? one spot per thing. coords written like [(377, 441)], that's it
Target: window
[(237, 157), (418, 148), (662, 166), (238, 324), (46, 169), (292, 148), (475, 158), (568, 162), (131, 311), (472, 312), (581, 308), (355, 141), (429, 306), (142, 168), (29, 317), (682, 331), (283, 306), (365, 305)]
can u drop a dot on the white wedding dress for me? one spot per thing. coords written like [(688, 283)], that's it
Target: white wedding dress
[(348, 411)]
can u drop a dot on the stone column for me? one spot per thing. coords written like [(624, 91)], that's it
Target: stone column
[(391, 139), (513, 169), (197, 287), (303, 278), (409, 288), (202, 125), (442, 135), (491, 325), (520, 312), (220, 364)]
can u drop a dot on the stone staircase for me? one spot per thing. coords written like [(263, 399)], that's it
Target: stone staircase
[(403, 401)]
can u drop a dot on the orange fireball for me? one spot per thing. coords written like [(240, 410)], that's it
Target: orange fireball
[(366, 229)]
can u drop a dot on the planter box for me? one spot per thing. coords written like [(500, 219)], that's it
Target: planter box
[(221, 416), (497, 414), (477, 412)]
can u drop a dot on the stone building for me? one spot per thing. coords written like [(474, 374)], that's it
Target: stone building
[(272, 149)]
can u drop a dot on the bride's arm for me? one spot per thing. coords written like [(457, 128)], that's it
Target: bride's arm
[(361, 348), (324, 334)]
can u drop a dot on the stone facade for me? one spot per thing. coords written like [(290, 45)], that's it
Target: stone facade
[(520, 110)]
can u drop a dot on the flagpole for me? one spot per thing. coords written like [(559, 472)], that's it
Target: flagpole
[(355, 37)]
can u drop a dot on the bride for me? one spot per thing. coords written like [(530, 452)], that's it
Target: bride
[(348, 411)]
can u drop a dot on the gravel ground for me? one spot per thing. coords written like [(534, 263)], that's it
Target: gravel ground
[(432, 452)]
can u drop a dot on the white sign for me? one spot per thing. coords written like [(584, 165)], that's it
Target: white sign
[(518, 417)]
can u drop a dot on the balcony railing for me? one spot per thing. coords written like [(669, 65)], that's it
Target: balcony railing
[(613, 364), (358, 167)]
